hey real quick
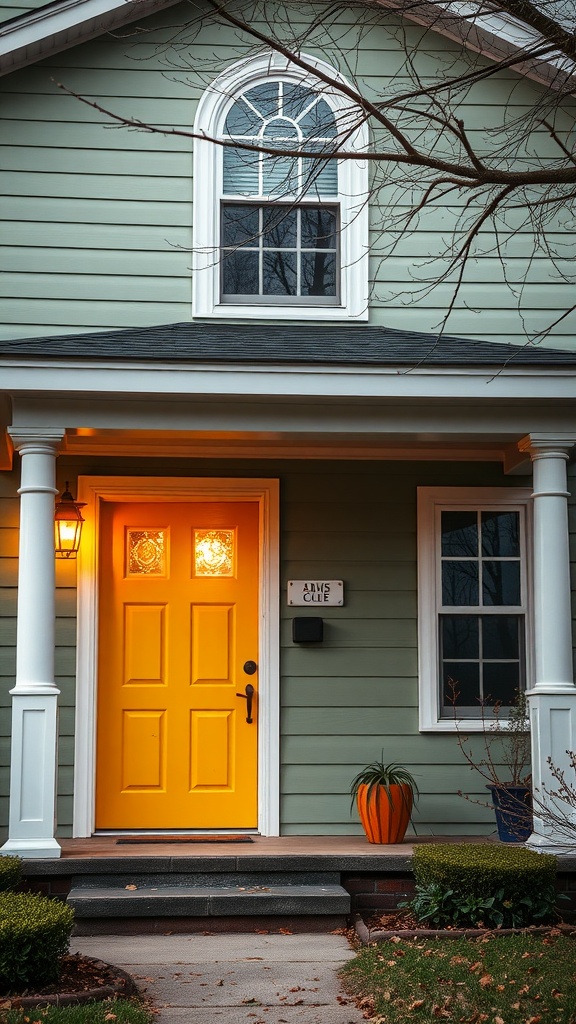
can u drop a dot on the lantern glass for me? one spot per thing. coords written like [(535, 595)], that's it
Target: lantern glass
[(68, 521)]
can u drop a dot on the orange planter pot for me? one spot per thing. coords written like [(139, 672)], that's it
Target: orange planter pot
[(385, 818)]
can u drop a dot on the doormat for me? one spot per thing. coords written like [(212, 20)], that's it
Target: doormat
[(184, 839)]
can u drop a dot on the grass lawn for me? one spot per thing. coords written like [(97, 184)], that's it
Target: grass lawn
[(504, 979), (123, 1011)]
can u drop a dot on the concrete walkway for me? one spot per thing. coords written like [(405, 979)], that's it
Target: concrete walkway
[(237, 978)]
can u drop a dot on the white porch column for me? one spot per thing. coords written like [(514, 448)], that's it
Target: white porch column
[(34, 697), (553, 698)]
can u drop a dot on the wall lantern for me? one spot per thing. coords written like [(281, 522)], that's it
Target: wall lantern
[(68, 521)]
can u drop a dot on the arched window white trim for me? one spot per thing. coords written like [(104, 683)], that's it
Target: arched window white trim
[(351, 300)]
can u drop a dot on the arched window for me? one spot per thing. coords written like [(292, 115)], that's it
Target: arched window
[(278, 235)]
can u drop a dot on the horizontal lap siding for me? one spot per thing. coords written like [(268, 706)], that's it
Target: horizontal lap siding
[(65, 662), (103, 216), (344, 702), (354, 698)]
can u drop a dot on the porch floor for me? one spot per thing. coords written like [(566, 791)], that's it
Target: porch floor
[(341, 847)]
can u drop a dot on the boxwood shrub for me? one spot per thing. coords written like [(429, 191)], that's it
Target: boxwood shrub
[(34, 935), (10, 872), (469, 884)]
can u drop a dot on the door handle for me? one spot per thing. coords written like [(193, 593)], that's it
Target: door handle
[(248, 697)]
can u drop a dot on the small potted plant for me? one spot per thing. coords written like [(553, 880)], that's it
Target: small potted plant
[(505, 765), (384, 794)]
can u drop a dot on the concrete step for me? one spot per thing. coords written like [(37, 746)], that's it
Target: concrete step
[(208, 901)]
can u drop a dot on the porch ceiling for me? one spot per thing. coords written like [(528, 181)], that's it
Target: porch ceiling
[(288, 445)]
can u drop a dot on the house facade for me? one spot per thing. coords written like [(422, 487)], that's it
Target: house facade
[(308, 505)]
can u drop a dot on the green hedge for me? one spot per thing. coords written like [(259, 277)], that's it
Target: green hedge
[(10, 872), (478, 868), (34, 935), (479, 884)]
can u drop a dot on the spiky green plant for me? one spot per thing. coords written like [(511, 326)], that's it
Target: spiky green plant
[(379, 775)]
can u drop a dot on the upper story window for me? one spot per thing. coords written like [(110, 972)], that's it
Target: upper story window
[(278, 235), (473, 602)]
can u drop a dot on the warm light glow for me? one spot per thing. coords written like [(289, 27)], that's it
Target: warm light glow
[(67, 525), (214, 552)]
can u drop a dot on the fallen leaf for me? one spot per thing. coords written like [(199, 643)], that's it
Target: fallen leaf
[(131, 887), (498, 1020), (475, 966), (417, 1004), (485, 980)]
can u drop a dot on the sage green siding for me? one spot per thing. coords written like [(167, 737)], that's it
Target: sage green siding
[(98, 230), (13, 9), (344, 702)]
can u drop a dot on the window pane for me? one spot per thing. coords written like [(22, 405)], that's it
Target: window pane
[(265, 98), (295, 100), (240, 273), (240, 225), (460, 636), (318, 228), (320, 177), (501, 683), (242, 120), (460, 583), (281, 132), (318, 122), (279, 273), (459, 534), (500, 636), (240, 173), (280, 227), (280, 176), (318, 273), (501, 534), (466, 679), (501, 583)]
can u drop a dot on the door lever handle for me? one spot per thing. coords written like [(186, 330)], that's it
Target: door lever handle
[(248, 697)]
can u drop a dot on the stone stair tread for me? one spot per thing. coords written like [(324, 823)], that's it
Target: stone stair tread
[(82, 892), (206, 901)]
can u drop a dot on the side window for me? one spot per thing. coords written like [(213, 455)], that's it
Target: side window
[(473, 601), (278, 235)]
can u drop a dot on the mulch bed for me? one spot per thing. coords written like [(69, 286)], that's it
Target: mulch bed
[(403, 925), (82, 980)]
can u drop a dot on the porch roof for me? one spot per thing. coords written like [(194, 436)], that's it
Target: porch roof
[(262, 343)]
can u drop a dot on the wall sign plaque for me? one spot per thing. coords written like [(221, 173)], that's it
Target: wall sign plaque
[(308, 593)]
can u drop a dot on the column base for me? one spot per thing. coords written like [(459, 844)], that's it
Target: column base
[(31, 849), (553, 727), (550, 844)]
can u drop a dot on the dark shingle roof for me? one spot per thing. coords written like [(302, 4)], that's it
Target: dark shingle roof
[(258, 343)]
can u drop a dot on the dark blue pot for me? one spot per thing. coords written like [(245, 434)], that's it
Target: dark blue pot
[(513, 809)]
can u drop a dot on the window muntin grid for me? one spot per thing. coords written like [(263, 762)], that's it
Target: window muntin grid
[(280, 251), (281, 115), (481, 589)]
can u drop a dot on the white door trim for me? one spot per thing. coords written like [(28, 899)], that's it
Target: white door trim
[(93, 490)]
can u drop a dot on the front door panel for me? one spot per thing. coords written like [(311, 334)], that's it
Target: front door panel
[(178, 620)]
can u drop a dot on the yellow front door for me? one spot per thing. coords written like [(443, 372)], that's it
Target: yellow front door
[(178, 629)]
